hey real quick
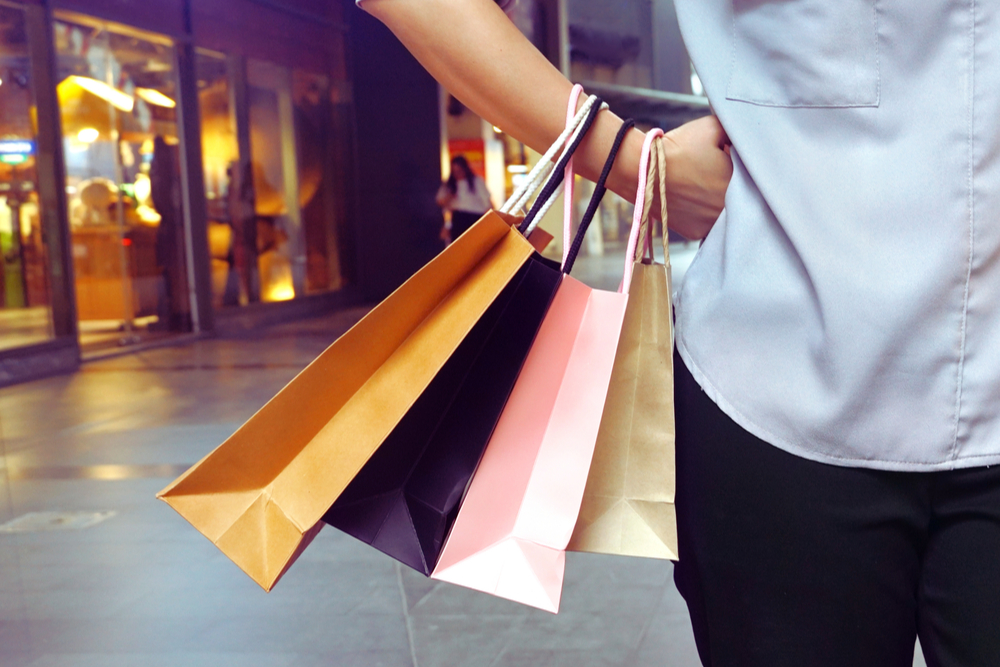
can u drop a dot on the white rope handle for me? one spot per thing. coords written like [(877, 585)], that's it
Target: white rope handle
[(574, 99), (545, 209), (542, 171), (555, 195), (539, 174)]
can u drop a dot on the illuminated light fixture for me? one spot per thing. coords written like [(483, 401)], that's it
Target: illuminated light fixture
[(109, 94), (517, 168), (497, 130), (88, 135), (280, 290), (155, 97), (1, 82)]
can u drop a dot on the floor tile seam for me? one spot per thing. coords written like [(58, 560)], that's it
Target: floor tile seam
[(426, 596), (634, 650), (15, 538), (512, 633), (406, 615)]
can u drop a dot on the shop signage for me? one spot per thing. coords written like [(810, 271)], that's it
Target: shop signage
[(474, 151), (15, 151)]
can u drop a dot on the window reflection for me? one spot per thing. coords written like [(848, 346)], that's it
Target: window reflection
[(315, 142), (280, 243), (294, 181), (232, 237)]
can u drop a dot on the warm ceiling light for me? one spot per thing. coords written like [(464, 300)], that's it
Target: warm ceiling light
[(88, 135), (1, 82), (155, 97), (109, 94)]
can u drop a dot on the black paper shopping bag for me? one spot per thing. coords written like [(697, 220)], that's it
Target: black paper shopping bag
[(407, 495)]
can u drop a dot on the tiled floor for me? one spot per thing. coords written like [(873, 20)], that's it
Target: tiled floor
[(144, 589)]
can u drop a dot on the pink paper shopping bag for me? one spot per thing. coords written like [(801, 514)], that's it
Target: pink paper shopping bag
[(519, 512)]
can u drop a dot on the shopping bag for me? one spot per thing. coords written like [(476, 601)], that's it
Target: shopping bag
[(260, 495), (405, 498), (628, 505), (521, 507)]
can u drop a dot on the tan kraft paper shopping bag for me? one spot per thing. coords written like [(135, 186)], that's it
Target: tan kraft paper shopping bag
[(260, 495), (628, 505)]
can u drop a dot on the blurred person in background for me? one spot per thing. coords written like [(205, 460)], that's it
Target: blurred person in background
[(464, 194)]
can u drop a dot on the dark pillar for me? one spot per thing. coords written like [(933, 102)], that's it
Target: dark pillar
[(398, 155), (193, 198), (51, 171)]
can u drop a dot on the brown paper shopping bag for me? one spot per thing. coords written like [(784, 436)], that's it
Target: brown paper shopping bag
[(261, 495), (628, 505)]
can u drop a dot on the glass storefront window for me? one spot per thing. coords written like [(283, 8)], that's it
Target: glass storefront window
[(25, 304), (280, 244), (315, 137), (117, 99), (231, 241), (291, 145)]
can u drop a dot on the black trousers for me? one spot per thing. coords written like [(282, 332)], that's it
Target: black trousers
[(461, 221), (785, 562)]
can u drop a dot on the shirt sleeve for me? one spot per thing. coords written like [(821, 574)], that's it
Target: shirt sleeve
[(483, 193)]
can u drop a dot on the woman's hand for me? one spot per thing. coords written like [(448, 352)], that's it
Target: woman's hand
[(698, 173), (444, 197)]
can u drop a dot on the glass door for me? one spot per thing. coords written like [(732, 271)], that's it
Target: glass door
[(25, 303), (117, 99)]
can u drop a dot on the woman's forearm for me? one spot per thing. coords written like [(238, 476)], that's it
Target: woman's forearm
[(481, 58)]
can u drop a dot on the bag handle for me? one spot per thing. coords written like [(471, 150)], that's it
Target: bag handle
[(548, 193), (643, 204), (656, 174), (574, 97), (540, 171), (595, 200), (659, 156)]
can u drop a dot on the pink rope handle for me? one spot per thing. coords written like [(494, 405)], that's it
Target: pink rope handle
[(574, 98), (640, 196)]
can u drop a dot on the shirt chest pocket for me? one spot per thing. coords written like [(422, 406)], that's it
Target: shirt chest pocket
[(805, 53)]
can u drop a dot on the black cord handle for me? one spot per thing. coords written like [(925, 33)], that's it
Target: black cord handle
[(557, 176), (595, 200)]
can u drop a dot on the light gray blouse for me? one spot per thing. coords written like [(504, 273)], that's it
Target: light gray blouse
[(846, 306)]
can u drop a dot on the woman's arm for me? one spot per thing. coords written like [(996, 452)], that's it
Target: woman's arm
[(444, 196), (479, 56)]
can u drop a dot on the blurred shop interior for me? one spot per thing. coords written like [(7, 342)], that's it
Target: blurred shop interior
[(175, 168)]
